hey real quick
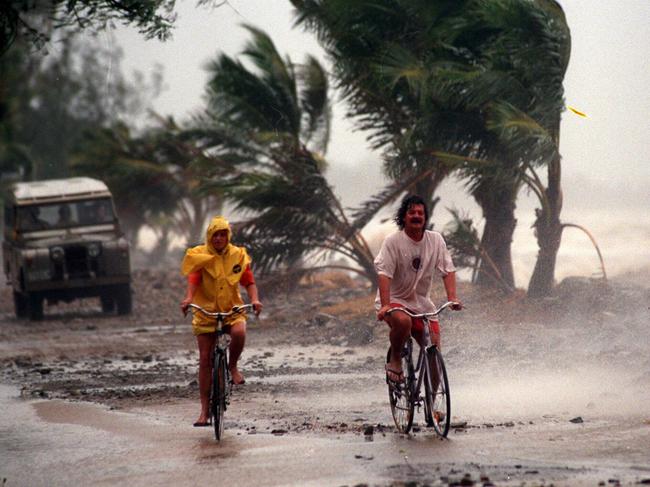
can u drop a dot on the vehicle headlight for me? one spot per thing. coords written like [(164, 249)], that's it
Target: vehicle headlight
[(94, 249), (57, 253), (123, 244)]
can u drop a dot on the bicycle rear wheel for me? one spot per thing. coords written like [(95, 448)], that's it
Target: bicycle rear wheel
[(437, 401), (400, 396), (218, 393)]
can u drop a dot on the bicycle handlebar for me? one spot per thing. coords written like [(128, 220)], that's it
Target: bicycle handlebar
[(423, 315), (222, 314)]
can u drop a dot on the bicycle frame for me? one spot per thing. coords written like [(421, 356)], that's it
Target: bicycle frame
[(219, 359), (418, 373), (223, 339), (426, 345), (220, 316), (220, 343)]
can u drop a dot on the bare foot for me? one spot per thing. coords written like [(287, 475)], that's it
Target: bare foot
[(237, 377), (203, 420)]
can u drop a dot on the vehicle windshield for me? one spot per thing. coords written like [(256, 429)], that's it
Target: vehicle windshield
[(64, 215)]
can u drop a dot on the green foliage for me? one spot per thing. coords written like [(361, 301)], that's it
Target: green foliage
[(260, 135), (463, 241), (471, 86), (467, 252), (140, 187), (66, 116), (35, 21), (49, 101), (387, 58), (15, 158), (151, 177)]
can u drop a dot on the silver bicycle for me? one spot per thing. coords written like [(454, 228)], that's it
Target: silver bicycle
[(428, 370)]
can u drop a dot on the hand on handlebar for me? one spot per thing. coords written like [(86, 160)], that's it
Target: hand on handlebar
[(457, 304), (381, 314), (185, 305), (257, 307)]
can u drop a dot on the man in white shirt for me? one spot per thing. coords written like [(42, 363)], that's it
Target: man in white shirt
[(406, 265)]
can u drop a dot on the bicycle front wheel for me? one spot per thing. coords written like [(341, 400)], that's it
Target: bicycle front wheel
[(437, 401), (218, 393), (400, 395)]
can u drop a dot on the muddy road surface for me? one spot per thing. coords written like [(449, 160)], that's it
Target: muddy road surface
[(542, 393)]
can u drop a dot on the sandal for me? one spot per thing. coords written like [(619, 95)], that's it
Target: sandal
[(394, 376)]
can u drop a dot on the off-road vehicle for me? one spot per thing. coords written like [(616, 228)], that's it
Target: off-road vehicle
[(62, 241)]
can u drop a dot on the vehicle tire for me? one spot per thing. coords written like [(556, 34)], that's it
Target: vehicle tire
[(35, 307), (437, 400), (108, 303), (123, 299), (20, 305), (402, 404), (218, 394)]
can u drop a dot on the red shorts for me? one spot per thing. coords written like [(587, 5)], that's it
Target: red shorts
[(418, 323)]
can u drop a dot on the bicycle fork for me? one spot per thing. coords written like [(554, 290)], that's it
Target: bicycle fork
[(221, 350)]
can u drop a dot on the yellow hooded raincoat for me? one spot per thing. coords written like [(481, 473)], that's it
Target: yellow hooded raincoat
[(220, 275)]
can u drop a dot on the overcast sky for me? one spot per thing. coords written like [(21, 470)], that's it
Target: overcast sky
[(606, 156)]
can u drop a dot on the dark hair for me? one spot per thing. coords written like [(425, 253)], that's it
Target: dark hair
[(408, 201)]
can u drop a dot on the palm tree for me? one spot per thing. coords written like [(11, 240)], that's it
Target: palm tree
[(548, 227), (534, 39), (263, 135), (442, 72), (385, 57), (152, 178), (517, 87), (410, 72), (114, 156)]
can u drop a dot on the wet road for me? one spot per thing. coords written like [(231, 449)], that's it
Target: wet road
[(312, 388), (61, 443)]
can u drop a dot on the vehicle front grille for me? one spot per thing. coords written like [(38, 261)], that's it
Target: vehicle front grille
[(76, 263)]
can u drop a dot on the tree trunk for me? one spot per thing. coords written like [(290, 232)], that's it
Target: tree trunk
[(548, 230), (499, 212)]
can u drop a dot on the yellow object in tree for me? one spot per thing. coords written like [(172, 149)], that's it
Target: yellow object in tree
[(577, 112)]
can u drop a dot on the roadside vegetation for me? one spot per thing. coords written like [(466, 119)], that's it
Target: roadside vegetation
[(469, 89)]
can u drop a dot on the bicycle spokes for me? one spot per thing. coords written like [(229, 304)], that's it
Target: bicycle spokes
[(402, 399), (219, 395), (437, 410), (402, 408)]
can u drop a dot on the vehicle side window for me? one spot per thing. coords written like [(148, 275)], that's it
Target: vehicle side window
[(95, 211), (29, 218), (49, 214)]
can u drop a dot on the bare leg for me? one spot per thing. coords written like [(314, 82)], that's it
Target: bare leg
[(400, 329), (206, 346), (237, 341)]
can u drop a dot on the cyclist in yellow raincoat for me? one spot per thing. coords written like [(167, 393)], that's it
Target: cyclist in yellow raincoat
[(214, 271)]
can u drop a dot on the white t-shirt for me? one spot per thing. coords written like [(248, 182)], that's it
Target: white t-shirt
[(412, 265)]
